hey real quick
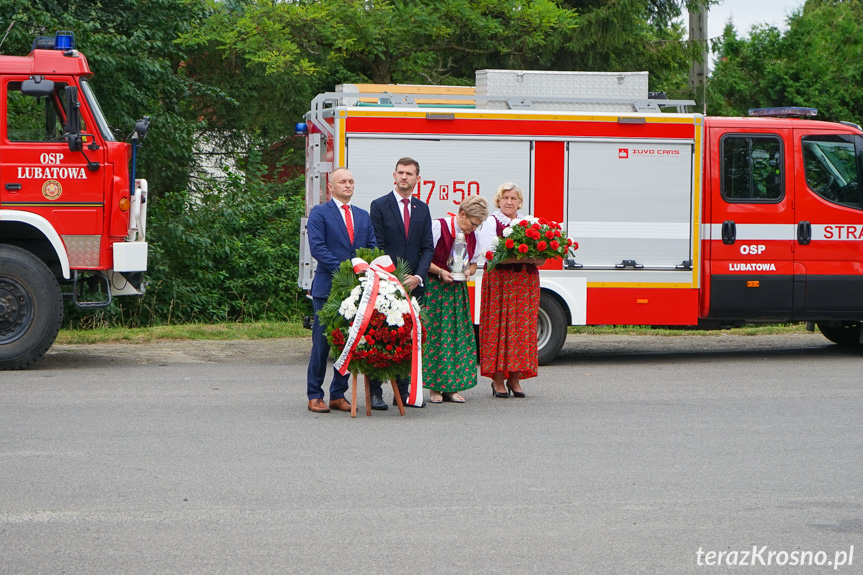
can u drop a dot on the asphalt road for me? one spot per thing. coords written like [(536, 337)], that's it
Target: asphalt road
[(630, 455)]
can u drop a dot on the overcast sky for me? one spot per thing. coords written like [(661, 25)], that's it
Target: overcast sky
[(745, 13)]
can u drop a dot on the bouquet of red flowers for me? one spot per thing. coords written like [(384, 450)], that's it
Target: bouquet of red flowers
[(530, 239), (384, 349)]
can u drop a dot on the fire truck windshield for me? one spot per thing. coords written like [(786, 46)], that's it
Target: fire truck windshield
[(90, 96)]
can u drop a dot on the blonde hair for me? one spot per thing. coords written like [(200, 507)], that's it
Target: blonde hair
[(505, 187), (474, 207)]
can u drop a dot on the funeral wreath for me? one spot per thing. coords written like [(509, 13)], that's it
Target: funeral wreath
[(382, 345)]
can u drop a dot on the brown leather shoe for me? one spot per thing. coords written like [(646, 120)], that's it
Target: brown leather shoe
[(318, 406), (341, 404)]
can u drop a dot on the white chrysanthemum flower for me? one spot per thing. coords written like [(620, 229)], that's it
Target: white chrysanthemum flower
[(348, 309), (400, 306), (382, 305), (395, 319), (507, 231), (494, 241), (390, 301)]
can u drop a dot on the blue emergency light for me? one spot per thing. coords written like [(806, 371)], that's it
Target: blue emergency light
[(301, 129), (784, 112), (64, 40)]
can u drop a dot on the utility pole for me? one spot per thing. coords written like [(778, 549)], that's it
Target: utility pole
[(698, 70)]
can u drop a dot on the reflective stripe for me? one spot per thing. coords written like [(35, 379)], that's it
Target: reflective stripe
[(661, 230), (752, 232), (834, 232)]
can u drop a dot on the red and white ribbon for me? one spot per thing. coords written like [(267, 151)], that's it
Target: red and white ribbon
[(382, 268)]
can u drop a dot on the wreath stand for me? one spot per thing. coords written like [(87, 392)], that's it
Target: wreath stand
[(398, 396)]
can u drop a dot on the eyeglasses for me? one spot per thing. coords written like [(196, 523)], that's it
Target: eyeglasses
[(462, 217)]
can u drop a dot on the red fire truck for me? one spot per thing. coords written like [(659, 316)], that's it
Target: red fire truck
[(71, 211), (682, 219)]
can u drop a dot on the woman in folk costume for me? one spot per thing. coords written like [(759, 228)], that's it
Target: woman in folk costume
[(449, 353), (510, 306)]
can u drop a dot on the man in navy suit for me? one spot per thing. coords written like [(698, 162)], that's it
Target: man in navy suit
[(403, 230), (335, 230)]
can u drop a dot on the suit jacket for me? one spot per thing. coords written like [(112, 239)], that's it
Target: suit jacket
[(330, 245), (417, 248)]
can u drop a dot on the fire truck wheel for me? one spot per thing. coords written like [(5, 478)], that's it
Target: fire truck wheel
[(550, 328), (844, 334), (31, 308)]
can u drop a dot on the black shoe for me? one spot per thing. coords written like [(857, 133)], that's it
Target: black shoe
[(406, 404), (515, 393), (379, 404), (499, 394)]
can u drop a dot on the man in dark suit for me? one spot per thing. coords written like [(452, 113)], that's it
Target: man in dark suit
[(335, 230), (403, 230)]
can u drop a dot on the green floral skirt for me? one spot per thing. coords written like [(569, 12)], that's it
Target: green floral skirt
[(449, 350)]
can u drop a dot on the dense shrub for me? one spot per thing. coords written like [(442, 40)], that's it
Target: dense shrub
[(224, 250)]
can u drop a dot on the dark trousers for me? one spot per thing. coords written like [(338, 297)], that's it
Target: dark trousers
[(404, 387), (318, 362)]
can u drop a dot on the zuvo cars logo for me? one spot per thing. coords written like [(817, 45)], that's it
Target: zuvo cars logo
[(625, 153)]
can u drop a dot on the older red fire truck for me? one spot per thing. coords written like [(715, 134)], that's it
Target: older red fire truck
[(682, 219), (71, 210)]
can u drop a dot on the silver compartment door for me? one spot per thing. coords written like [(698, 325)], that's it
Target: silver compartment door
[(630, 201), (450, 169)]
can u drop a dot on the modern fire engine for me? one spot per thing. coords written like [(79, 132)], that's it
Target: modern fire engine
[(71, 210), (682, 219)]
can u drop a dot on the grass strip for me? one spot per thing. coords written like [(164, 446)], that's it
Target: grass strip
[(271, 330)]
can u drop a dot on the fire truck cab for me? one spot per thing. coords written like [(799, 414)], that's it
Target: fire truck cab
[(682, 219), (70, 206)]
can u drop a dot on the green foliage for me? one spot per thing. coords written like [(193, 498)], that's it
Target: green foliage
[(321, 43), (228, 250), (225, 250), (629, 35), (817, 62), (420, 41)]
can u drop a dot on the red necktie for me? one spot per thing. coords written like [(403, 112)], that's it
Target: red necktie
[(349, 221), (407, 214)]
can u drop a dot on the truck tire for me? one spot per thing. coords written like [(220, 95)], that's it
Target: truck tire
[(31, 308), (847, 334), (550, 328)]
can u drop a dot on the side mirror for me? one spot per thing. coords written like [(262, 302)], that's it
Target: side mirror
[(141, 127), (73, 120), (37, 87)]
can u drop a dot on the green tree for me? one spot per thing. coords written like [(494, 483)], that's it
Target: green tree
[(386, 41), (817, 62), (630, 35), (325, 42)]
